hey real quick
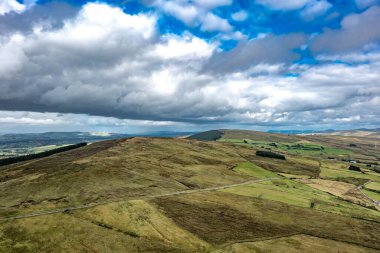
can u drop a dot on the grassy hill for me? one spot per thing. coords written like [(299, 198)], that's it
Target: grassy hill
[(364, 149), (185, 195)]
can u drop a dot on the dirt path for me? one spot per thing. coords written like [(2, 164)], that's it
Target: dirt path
[(360, 187), (91, 205)]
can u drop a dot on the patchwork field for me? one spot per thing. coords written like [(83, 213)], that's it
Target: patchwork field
[(186, 195)]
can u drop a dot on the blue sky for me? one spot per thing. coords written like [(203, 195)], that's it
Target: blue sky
[(135, 66)]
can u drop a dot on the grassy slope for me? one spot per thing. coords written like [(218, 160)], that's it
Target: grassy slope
[(221, 218), (114, 170), (251, 169), (333, 169), (365, 149), (299, 194), (199, 222), (134, 226), (259, 136)]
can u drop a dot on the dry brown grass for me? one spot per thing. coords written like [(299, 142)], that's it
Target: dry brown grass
[(221, 218), (296, 244)]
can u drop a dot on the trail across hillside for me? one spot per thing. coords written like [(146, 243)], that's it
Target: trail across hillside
[(85, 206)]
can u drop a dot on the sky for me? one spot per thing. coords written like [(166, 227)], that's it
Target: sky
[(188, 65)]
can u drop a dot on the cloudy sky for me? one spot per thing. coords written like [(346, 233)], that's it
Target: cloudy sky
[(135, 66)]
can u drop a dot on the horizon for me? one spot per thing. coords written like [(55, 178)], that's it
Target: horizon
[(188, 66), (154, 133)]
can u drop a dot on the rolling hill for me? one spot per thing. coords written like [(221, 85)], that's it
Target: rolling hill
[(187, 195)]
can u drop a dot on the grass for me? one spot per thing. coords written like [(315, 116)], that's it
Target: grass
[(138, 168), (301, 195), (373, 195), (292, 176), (339, 170), (134, 226), (114, 170), (295, 148), (259, 136), (251, 169), (296, 165), (337, 146), (273, 191), (222, 218), (373, 186)]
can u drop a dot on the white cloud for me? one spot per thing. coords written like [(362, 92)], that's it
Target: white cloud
[(315, 9), (12, 55), (284, 5), (23, 121), (10, 5), (183, 48), (366, 3), (196, 13), (239, 16), (7, 6), (309, 9), (187, 13), (211, 4), (212, 23)]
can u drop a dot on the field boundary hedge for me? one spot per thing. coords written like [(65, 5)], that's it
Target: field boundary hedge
[(270, 154)]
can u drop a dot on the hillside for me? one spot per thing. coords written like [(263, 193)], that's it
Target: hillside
[(374, 133), (345, 147), (184, 195)]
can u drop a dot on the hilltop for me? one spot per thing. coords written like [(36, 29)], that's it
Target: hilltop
[(186, 195)]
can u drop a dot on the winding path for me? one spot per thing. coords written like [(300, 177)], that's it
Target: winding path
[(91, 205)]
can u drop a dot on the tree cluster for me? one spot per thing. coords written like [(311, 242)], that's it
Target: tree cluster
[(270, 154)]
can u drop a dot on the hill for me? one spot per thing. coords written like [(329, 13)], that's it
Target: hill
[(369, 133), (184, 195), (345, 147)]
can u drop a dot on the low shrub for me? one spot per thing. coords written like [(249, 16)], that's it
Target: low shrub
[(354, 168)]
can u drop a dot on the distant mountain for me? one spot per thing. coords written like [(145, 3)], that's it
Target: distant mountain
[(213, 135), (291, 131), (362, 132), (52, 138), (368, 133), (63, 138)]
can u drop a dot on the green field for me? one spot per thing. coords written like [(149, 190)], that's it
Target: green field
[(373, 195), (373, 186), (299, 194), (292, 148), (338, 169), (254, 170)]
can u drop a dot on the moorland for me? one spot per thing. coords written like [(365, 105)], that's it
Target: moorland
[(209, 192)]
